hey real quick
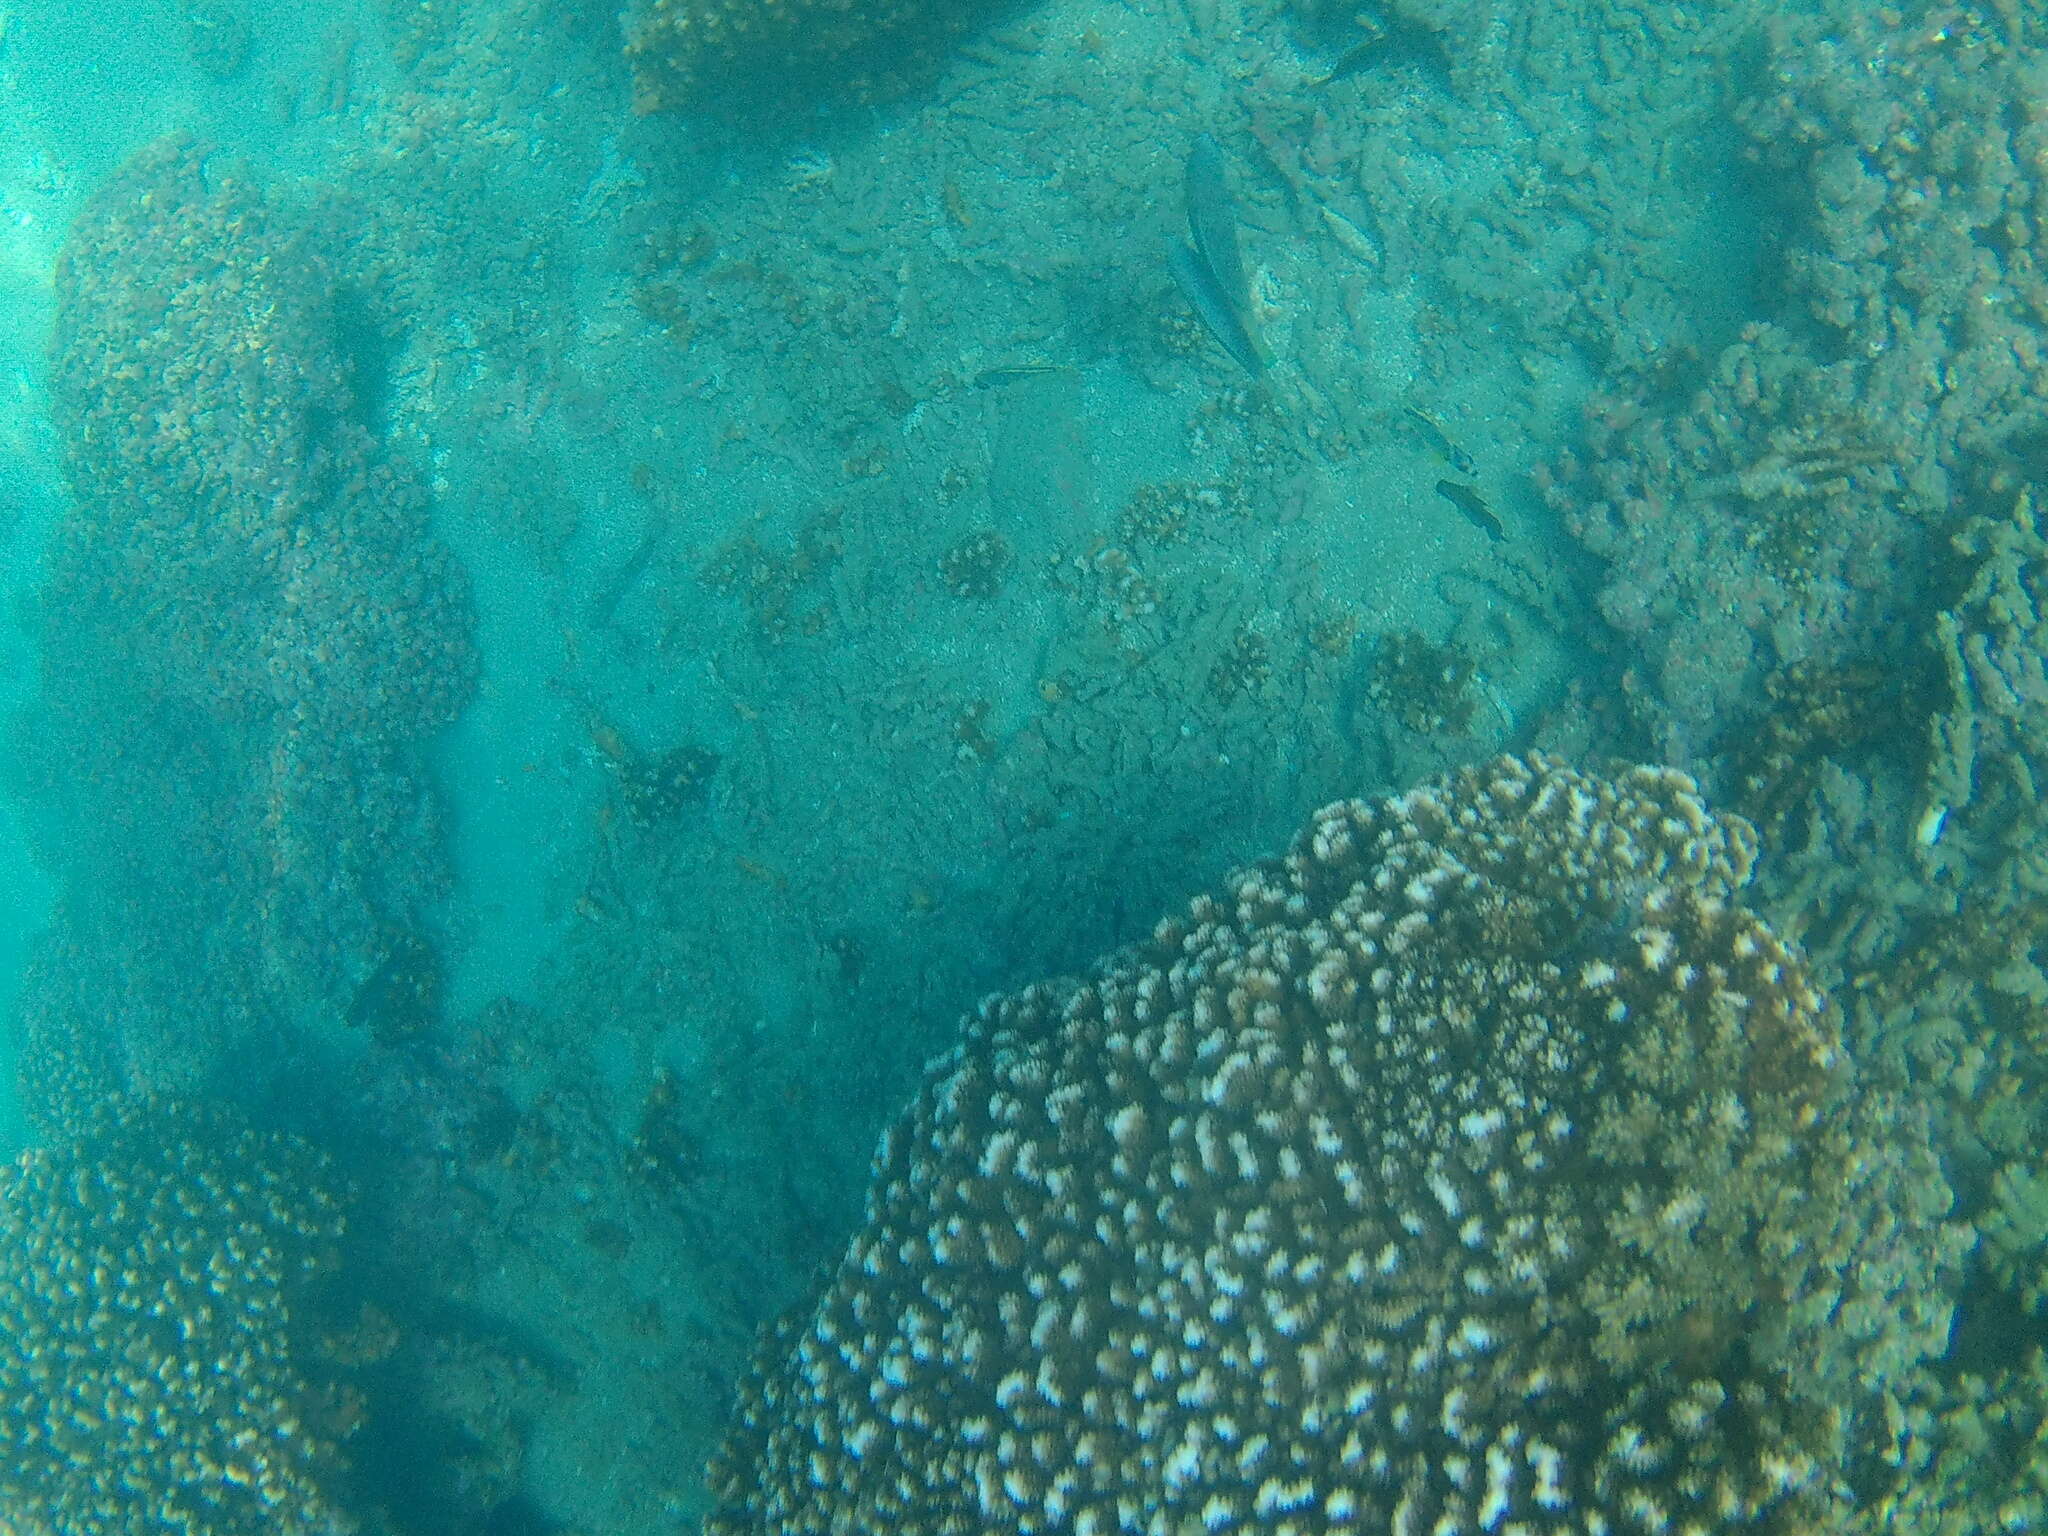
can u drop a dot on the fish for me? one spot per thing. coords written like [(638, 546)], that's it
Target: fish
[(1440, 440), (606, 603), (1395, 43), (1352, 61), (1199, 283), (1212, 220), (1473, 505), (1208, 266), (989, 378)]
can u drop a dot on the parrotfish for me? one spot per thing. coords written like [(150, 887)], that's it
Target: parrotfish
[(1394, 42), (1203, 291), (1208, 266), (1212, 220)]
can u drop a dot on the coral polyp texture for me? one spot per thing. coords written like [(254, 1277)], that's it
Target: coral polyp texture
[(747, 55), (1480, 1166), (147, 1379)]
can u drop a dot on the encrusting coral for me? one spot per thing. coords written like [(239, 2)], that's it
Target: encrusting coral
[(1482, 1165), (148, 1379)]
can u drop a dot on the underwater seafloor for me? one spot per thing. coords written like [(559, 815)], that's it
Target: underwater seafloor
[(555, 651)]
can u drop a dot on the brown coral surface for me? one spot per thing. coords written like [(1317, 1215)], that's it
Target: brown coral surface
[(148, 1380), (1481, 1165)]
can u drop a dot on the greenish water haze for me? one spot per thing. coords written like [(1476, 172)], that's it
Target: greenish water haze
[(552, 653)]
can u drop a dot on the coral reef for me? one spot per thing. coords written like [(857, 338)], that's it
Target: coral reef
[(1815, 720), (1903, 808), (921, 797), (752, 55), (775, 584), (1943, 929), (660, 788), (1789, 505), (974, 566), (1990, 1472), (1244, 666), (1832, 563), (1167, 512), (1750, 530), (401, 997), (150, 1377), (213, 412), (1424, 686), (1990, 642), (247, 627), (1481, 1165)]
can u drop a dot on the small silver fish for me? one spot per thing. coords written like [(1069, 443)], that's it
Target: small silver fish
[(989, 378)]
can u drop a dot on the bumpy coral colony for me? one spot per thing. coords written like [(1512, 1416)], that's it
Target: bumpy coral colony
[(1481, 1166), (146, 1378)]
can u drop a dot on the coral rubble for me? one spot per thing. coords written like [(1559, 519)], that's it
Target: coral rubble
[(1481, 1165)]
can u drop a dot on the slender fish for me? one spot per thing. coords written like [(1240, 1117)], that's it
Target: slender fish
[(1205, 292), (989, 378), (1212, 220), (1473, 505), (1210, 270), (1440, 440)]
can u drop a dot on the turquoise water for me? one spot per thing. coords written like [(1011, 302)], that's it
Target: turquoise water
[(554, 652)]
